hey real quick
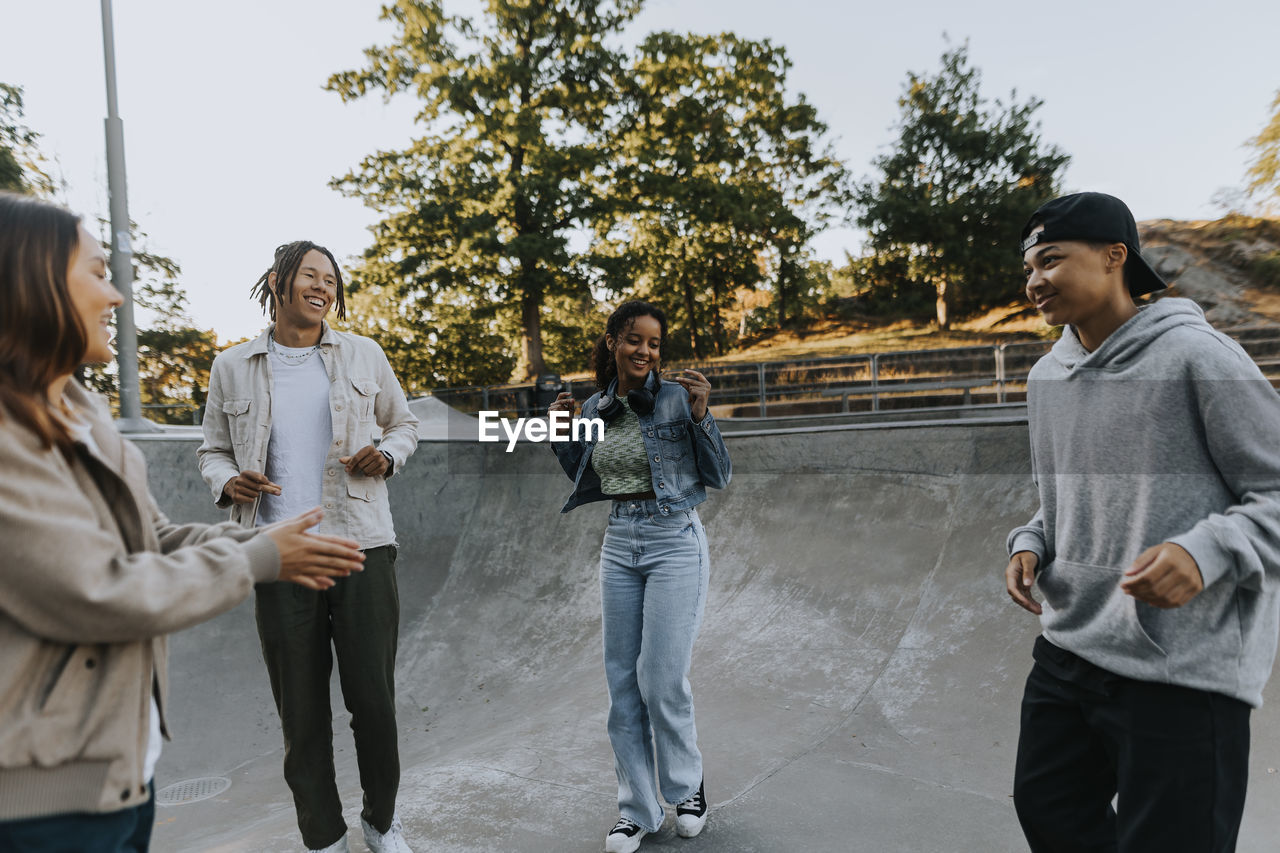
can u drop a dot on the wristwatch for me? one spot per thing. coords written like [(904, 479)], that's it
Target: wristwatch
[(391, 464)]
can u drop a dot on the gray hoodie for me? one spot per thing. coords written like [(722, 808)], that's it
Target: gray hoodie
[(1168, 432)]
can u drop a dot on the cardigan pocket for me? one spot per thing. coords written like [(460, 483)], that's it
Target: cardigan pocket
[(55, 677)]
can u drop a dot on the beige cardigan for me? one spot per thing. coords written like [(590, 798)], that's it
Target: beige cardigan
[(91, 579)]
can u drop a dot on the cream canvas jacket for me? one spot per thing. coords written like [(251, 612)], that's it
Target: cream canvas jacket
[(364, 397), (92, 578)]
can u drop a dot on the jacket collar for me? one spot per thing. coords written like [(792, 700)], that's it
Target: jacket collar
[(106, 437), (258, 346)]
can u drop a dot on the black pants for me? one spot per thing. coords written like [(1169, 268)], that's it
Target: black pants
[(1176, 759), (360, 617)]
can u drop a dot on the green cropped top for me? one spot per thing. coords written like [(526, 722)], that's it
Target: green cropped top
[(620, 459)]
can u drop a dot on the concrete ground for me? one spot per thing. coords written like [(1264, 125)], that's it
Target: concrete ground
[(857, 677)]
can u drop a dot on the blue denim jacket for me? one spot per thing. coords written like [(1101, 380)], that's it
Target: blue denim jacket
[(684, 457)]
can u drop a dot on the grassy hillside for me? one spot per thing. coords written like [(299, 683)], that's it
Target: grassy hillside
[(1231, 266)]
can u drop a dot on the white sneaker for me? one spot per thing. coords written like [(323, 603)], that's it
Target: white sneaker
[(624, 837), (691, 815), (339, 846), (392, 841)]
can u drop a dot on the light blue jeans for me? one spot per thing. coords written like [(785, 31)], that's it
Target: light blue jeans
[(653, 585)]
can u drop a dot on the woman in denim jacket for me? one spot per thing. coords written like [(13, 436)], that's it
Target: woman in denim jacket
[(660, 450)]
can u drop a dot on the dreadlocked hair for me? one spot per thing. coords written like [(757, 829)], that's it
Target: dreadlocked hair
[(288, 259), (619, 321)]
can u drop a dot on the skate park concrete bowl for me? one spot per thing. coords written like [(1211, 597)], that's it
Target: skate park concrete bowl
[(857, 677)]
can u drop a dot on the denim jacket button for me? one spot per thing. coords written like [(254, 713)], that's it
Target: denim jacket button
[(666, 510), (656, 459), (661, 485)]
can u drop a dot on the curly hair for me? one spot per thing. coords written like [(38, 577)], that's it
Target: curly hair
[(620, 320), (288, 259)]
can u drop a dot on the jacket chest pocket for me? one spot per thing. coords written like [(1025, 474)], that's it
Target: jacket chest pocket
[(365, 392), (240, 421), (362, 489), (673, 441)]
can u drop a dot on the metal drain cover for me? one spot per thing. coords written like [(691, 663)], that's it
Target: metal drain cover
[(191, 790)]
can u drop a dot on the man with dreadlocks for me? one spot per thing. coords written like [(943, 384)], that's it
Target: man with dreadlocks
[(288, 424)]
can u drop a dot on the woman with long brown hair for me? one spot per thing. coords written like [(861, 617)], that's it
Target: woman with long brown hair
[(94, 576)]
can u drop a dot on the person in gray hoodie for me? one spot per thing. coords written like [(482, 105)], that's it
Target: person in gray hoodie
[(1155, 447)]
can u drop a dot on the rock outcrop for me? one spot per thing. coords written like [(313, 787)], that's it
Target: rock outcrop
[(1225, 265)]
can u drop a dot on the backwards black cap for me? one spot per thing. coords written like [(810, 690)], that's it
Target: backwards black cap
[(1095, 217)]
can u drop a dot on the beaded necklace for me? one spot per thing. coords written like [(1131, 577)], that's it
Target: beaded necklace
[(289, 358)]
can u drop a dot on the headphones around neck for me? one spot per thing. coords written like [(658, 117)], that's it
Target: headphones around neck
[(641, 400)]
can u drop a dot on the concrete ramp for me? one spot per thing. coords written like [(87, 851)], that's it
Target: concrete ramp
[(857, 677)]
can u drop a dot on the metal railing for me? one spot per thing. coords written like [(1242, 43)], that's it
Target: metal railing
[(864, 382), (180, 409)]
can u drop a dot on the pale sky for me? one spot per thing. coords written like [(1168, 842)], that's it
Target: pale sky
[(231, 141)]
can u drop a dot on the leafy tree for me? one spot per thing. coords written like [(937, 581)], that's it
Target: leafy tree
[(479, 209), (174, 357), (21, 163), (959, 183), (1264, 173), (455, 344), (721, 183), (571, 327), (881, 285)]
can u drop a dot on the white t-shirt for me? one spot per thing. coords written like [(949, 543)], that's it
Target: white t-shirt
[(155, 741), (301, 432)]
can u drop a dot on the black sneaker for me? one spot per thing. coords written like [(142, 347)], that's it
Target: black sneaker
[(624, 837), (691, 815)]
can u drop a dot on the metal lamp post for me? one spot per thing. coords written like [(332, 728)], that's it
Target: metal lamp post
[(131, 419)]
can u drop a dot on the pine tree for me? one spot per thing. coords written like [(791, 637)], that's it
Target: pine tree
[(961, 180)]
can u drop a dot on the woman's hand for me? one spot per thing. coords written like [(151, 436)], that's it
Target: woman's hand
[(699, 389), (311, 560), (563, 403)]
